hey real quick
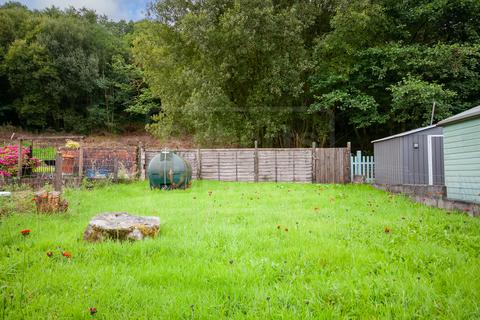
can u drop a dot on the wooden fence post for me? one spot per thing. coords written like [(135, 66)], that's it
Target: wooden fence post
[(348, 163), (236, 165), (142, 162), (139, 159), (314, 162), (20, 158), (57, 185), (293, 165), (80, 164), (358, 160), (115, 169), (218, 165), (255, 162), (276, 166), (199, 164)]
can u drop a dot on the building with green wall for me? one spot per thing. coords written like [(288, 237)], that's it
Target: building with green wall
[(461, 139)]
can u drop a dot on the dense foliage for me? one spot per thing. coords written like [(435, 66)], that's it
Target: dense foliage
[(285, 73), (67, 70), (290, 72)]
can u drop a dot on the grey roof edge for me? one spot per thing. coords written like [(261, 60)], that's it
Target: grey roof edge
[(470, 113), (406, 133)]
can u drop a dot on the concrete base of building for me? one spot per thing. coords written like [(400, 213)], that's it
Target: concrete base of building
[(433, 196)]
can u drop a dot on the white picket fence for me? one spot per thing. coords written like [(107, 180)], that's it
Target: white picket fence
[(362, 165)]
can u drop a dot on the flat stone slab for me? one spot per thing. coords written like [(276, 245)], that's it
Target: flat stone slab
[(121, 226)]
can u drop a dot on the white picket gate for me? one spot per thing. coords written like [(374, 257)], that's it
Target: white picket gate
[(363, 166)]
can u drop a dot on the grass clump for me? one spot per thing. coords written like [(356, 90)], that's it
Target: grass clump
[(240, 250)]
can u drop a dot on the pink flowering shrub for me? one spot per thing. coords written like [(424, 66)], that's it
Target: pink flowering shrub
[(9, 160)]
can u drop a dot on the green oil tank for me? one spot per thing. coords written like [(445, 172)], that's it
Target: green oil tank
[(168, 170)]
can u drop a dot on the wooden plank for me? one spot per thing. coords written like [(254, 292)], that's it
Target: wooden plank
[(320, 164), (324, 165), (313, 162), (143, 162), (328, 158), (348, 163), (339, 167), (218, 165), (46, 138), (199, 164), (256, 162), (80, 163), (333, 154), (115, 169), (293, 165), (276, 167)]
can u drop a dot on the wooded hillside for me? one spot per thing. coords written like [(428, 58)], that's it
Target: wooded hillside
[(285, 73)]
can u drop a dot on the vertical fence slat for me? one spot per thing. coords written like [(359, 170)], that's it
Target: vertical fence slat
[(292, 153), (314, 163), (199, 164), (255, 162), (368, 168), (143, 163), (236, 165), (362, 166), (115, 169), (80, 163), (218, 165)]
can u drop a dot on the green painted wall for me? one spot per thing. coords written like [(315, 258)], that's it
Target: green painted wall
[(462, 160)]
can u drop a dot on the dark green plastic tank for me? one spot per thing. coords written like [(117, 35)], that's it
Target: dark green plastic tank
[(168, 170)]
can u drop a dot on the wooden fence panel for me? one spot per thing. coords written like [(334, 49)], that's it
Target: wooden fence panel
[(331, 165), (192, 157), (210, 165), (245, 164), (267, 165), (302, 159)]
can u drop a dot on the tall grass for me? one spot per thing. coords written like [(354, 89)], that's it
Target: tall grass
[(239, 250)]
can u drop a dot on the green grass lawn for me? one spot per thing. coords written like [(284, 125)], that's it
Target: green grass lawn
[(229, 255)]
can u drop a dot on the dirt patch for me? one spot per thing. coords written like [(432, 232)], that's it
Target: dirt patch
[(8, 134)]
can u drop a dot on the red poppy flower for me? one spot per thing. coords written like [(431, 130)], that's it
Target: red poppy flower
[(66, 254), (25, 232), (93, 311), (387, 229), (286, 229), (49, 254), (278, 227)]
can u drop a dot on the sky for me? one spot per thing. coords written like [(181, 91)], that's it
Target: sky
[(114, 9)]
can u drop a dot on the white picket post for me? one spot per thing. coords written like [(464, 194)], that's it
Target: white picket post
[(362, 165), (359, 165), (368, 169)]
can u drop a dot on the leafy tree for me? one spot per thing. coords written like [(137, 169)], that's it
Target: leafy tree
[(230, 72), (411, 100), (68, 70)]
